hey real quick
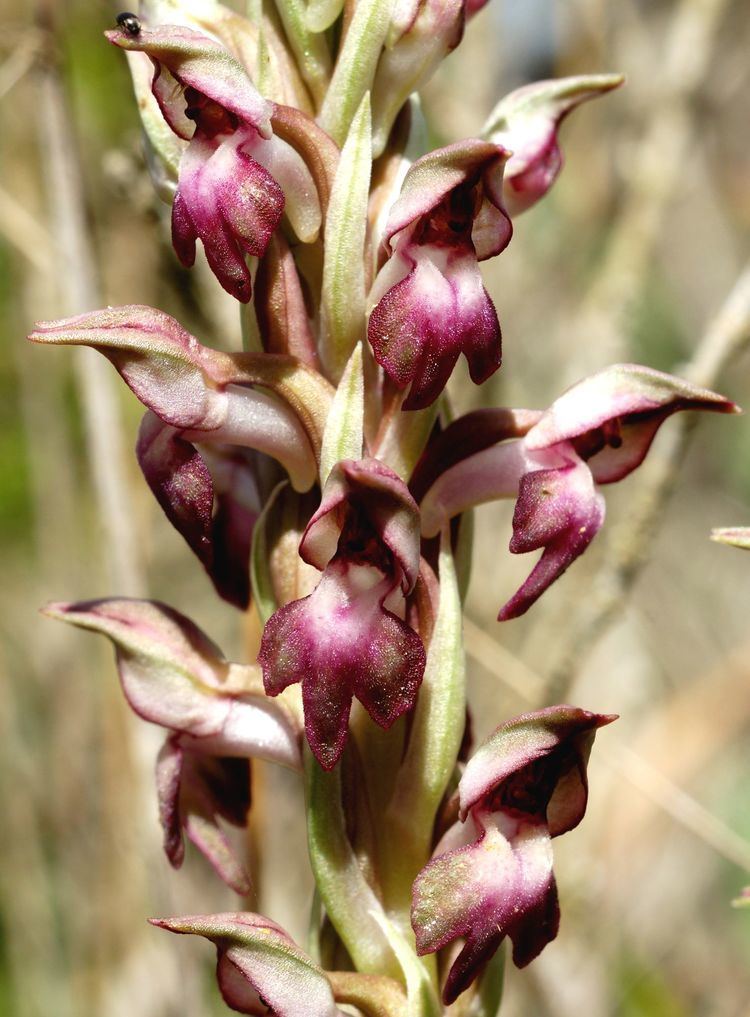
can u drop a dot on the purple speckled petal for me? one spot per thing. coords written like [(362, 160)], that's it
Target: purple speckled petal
[(231, 202), (560, 510), (382, 497), (199, 62), (340, 642), (502, 885), (260, 969), (423, 323), (523, 742)]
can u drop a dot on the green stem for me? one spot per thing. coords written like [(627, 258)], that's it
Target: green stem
[(433, 748), (349, 900)]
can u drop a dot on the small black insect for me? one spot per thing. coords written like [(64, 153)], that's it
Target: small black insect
[(129, 23)]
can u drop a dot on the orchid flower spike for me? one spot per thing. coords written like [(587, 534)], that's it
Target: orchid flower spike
[(596, 433), (216, 714), (527, 121), (236, 178), (491, 874), (429, 302), (342, 640)]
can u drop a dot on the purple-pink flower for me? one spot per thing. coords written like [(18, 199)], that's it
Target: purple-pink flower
[(595, 433), (215, 714), (236, 178), (348, 638), (491, 874), (527, 122), (429, 301)]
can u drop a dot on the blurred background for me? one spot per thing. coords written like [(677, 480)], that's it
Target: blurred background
[(631, 257)]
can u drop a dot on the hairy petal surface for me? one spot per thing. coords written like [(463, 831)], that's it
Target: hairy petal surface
[(338, 643), (498, 886)]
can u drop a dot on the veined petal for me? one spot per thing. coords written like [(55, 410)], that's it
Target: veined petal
[(492, 888), (158, 359), (339, 642), (205, 393), (259, 963), (613, 415), (173, 675), (560, 510), (527, 121), (381, 496), (202, 63), (523, 742)]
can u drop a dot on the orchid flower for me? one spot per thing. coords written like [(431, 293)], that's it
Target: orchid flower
[(491, 874), (260, 969), (236, 178), (216, 714), (596, 433), (429, 302), (527, 121), (202, 413), (342, 640)]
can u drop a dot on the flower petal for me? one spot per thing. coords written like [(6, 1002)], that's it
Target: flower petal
[(173, 675), (490, 889), (378, 494), (340, 642), (231, 202), (560, 510), (527, 121), (638, 399), (526, 740), (433, 177), (422, 324), (258, 962), (471, 433), (202, 63)]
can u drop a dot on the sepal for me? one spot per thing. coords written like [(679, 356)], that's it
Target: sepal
[(527, 121), (260, 969), (173, 675)]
